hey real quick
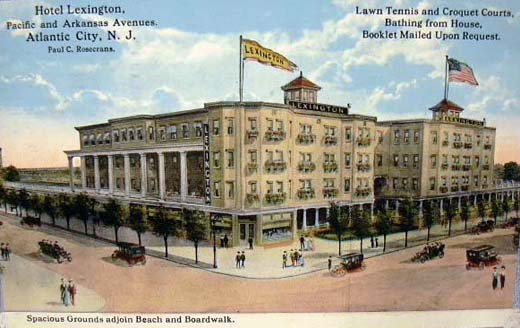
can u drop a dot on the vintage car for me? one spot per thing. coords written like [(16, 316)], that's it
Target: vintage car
[(511, 222), (429, 251), (31, 221), (484, 226), (348, 262), (55, 251), (482, 256), (131, 253)]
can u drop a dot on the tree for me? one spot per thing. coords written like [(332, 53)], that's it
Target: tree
[(338, 222), (23, 201), (81, 205), (516, 205), (66, 208), (360, 225), (451, 212), (195, 226), (465, 212), (511, 171), (112, 216), (430, 216), (505, 207), (49, 207), (3, 196), (481, 208), (36, 205), (12, 199), (11, 174), (136, 221), (384, 225), (408, 216), (164, 224), (93, 213), (496, 210)]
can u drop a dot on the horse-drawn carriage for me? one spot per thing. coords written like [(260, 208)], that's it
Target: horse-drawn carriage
[(430, 251), (482, 256), (484, 226), (31, 221), (349, 262), (131, 253), (55, 251)]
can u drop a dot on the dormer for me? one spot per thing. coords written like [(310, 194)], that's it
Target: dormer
[(301, 89)]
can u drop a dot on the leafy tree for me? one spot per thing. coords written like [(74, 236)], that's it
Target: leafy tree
[(516, 205), (360, 225), (11, 174), (36, 205), (511, 171), (195, 226), (430, 216), (383, 225), (408, 216), (3, 196), (50, 208), (12, 199), (506, 207), (23, 201), (496, 209), (112, 216), (338, 222), (81, 205), (481, 208), (465, 212), (164, 224), (137, 221), (66, 208), (93, 213), (451, 212)]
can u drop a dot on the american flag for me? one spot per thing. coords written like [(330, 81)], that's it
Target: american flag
[(460, 72)]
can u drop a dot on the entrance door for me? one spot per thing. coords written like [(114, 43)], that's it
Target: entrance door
[(247, 230)]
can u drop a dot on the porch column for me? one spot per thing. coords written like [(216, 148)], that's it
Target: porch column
[(83, 172), (96, 173), (421, 208), (489, 198), (396, 207), (71, 172), (460, 200), (304, 221), (475, 201), (184, 176), (162, 181), (110, 174), (441, 203), (371, 212), (317, 217), (126, 159), (294, 224), (328, 214), (144, 179)]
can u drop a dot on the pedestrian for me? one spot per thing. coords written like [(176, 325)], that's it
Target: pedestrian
[(302, 260), (371, 242), (72, 290), (502, 277), (292, 257), (329, 262), (296, 257), (2, 247), (377, 242), (7, 252), (226, 241), (495, 278), (284, 260), (250, 241), (237, 260), (302, 242), (66, 296), (63, 287), (243, 259), (222, 241)]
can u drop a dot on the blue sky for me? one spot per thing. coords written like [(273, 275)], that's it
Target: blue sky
[(191, 57)]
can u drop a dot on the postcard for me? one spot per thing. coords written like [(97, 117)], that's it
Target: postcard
[(337, 163)]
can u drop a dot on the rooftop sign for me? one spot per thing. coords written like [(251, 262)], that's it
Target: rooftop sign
[(319, 107)]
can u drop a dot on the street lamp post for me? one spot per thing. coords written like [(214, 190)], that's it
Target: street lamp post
[(214, 219)]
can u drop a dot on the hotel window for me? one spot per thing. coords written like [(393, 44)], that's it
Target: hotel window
[(253, 156), (348, 159), (348, 134), (444, 181), (330, 131), (270, 187), (454, 181), (433, 161), (305, 157), (380, 136), (360, 133), (252, 124), (270, 124), (475, 180), (415, 184), (328, 183), (446, 139), (396, 160), (216, 159), (432, 183), (405, 183), (279, 186), (416, 136), (123, 135), (468, 138), (484, 180), (185, 130), (434, 137), (360, 158), (395, 183), (115, 135), (106, 138), (279, 155), (253, 187), (306, 184), (216, 127), (173, 132), (405, 160), (366, 159), (230, 126), (131, 134), (486, 160), (151, 135), (444, 159), (139, 132), (216, 189), (379, 160), (478, 139), (397, 137), (198, 129), (279, 125), (85, 141), (99, 139), (162, 133), (406, 137), (415, 161), (477, 161), (487, 139), (92, 140), (346, 186), (467, 160), (230, 158), (230, 187), (151, 163)]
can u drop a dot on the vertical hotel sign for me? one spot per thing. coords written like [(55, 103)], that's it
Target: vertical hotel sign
[(207, 182)]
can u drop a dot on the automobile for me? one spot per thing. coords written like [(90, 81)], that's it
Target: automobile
[(55, 251), (348, 262), (129, 252), (484, 226), (511, 222), (31, 221), (430, 250), (482, 256)]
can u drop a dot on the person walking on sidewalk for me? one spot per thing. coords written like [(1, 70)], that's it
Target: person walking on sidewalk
[(502, 277), (371, 241), (63, 287), (7, 252), (292, 257), (237, 260), (377, 242), (329, 263), (226, 240), (302, 242), (284, 260), (495, 278), (2, 247), (72, 291), (250, 241), (243, 259)]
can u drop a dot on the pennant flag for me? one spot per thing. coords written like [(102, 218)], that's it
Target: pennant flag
[(254, 51), (460, 72)]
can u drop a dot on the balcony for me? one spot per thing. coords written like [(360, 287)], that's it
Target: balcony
[(443, 189), (275, 166), (252, 198), (330, 140), (275, 198), (252, 134), (305, 194), (278, 135), (455, 167), (468, 145), (252, 167), (487, 146), (329, 167), (466, 167), (457, 144), (363, 191), (445, 142), (306, 138), (363, 141), (330, 192), (464, 188), (485, 167), (454, 188), (484, 186), (306, 166), (363, 167), (444, 166)]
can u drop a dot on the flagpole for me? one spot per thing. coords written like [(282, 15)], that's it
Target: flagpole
[(240, 73), (446, 82)]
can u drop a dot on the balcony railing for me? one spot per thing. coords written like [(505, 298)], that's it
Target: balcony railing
[(484, 186), (306, 166), (457, 144), (275, 198), (455, 167), (485, 167), (252, 198), (330, 140), (468, 145), (306, 194), (444, 166), (466, 167), (443, 189), (277, 135), (363, 141), (252, 134), (363, 191), (329, 167), (330, 192), (487, 146), (464, 188), (363, 167), (275, 166), (445, 142), (306, 138), (252, 167), (454, 188)]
